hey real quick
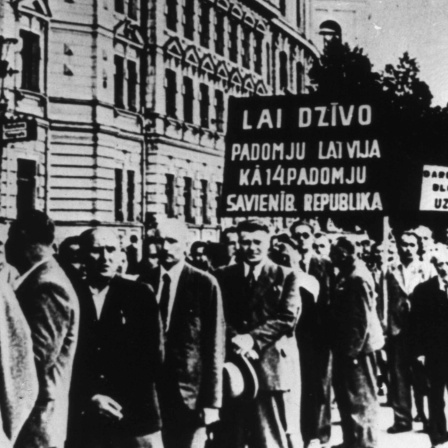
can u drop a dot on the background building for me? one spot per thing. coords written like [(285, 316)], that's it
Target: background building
[(130, 102)]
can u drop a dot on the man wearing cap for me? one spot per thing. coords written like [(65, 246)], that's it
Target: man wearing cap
[(262, 304), (191, 308), (316, 420), (429, 330), (113, 398)]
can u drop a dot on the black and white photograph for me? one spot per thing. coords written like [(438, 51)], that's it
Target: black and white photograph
[(223, 223)]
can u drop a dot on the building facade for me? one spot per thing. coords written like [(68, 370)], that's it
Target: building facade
[(130, 101)]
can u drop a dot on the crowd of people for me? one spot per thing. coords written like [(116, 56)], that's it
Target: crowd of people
[(239, 344)]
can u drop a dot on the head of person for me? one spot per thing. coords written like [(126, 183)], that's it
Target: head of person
[(427, 240), (303, 234), (322, 245), (152, 249), (173, 239), (440, 261), (254, 241), (343, 253), (230, 240), (133, 239), (283, 250), (30, 240), (101, 254), (409, 247), (199, 255), (69, 253)]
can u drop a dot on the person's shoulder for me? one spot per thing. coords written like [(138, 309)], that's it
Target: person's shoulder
[(130, 286), (198, 274), (430, 284)]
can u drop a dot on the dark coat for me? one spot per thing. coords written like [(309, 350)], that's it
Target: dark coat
[(119, 356), (51, 308), (269, 316), (398, 300), (355, 325), (196, 337), (429, 321)]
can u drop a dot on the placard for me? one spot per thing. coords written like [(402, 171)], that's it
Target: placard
[(293, 155)]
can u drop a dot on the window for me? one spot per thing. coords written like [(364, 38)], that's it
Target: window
[(204, 202), (188, 99), (132, 85), (119, 81), (118, 195), (218, 201), (169, 193), (219, 30), (30, 61), (205, 25), (219, 104), (119, 6), (204, 105), (299, 74), (170, 93), (189, 19), (131, 195), (171, 14), (246, 47), (233, 41), (26, 185), (132, 9), (283, 71), (258, 53), (268, 63), (188, 202)]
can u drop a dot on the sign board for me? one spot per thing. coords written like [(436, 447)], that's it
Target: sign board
[(19, 129), (295, 155), (434, 194)]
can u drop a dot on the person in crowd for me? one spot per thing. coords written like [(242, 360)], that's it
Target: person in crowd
[(356, 335), (18, 377), (401, 279), (191, 308), (230, 240), (429, 330), (150, 259), (69, 258), (321, 245), (199, 256), (132, 256), (51, 308), (316, 421), (8, 273), (113, 400), (427, 239), (262, 305)]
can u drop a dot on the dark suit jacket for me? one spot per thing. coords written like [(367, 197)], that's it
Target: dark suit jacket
[(322, 270), (51, 307), (196, 337), (120, 356), (429, 322), (269, 316), (398, 301), (355, 327)]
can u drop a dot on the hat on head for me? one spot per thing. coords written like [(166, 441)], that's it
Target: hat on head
[(240, 378)]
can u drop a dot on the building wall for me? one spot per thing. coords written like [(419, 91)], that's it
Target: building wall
[(271, 57), (115, 143)]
